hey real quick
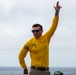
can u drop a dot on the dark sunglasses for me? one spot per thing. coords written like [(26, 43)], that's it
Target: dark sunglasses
[(35, 31)]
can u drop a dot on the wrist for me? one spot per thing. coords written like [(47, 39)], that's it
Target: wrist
[(25, 69), (57, 13)]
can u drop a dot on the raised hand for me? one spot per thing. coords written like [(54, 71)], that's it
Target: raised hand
[(57, 7)]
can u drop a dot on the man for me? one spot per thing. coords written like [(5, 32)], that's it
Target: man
[(38, 46)]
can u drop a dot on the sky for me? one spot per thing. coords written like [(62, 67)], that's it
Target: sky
[(16, 20)]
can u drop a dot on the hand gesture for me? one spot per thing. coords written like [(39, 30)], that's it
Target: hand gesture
[(57, 7)]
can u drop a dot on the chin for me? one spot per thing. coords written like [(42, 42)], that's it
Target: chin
[(36, 36)]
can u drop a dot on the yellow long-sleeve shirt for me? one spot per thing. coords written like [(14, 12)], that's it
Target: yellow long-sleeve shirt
[(38, 48)]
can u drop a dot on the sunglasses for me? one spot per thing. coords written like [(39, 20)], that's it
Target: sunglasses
[(35, 31)]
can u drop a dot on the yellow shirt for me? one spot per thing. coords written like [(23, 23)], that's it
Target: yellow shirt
[(38, 48)]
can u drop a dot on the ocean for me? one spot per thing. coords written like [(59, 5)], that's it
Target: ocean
[(19, 71)]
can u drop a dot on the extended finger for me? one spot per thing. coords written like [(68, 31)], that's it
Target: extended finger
[(57, 4)]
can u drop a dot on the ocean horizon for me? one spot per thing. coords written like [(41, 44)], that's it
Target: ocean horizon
[(19, 70)]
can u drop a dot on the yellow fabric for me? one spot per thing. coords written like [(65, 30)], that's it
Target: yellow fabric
[(38, 48)]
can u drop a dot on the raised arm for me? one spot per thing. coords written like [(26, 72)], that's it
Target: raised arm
[(53, 27)]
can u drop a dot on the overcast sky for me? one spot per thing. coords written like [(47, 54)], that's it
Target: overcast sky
[(16, 19)]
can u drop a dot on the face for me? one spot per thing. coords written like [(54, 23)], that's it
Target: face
[(37, 32)]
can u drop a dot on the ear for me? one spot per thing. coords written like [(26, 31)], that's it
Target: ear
[(42, 31)]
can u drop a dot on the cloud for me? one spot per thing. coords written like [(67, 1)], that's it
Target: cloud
[(17, 17)]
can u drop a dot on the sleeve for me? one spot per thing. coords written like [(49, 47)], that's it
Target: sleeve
[(22, 55), (52, 29)]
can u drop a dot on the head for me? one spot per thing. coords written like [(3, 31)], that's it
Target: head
[(37, 30)]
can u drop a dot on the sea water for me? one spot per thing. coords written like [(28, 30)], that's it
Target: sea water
[(19, 71)]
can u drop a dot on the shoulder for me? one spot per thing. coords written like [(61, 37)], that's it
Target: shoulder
[(30, 40)]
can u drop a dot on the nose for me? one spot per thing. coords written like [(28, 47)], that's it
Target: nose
[(34, 32)]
